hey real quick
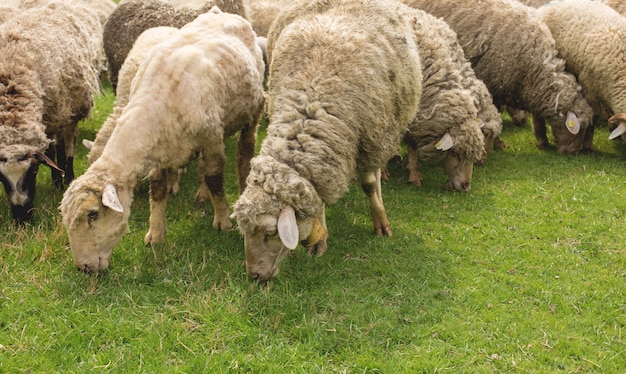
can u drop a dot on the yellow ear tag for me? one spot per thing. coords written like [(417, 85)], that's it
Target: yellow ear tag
[(571, 124), (318, 233)]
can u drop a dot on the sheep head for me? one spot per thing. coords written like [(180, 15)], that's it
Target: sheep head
[(457, 151), (277, 210), (18, 174), (95, 217)]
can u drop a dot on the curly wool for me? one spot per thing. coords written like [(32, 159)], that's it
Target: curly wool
[(591, 37), (132, 17), (332, 116), (449, 103), (513, 52), (47, 58), (270, 186)]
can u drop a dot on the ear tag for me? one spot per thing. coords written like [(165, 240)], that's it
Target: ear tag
[(572, 124)]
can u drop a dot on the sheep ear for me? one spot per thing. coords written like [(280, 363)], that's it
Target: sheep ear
[(288, 228), (88, 144), (571, 123), (446, 142), (110, 198), (619, 130), (43, 159)]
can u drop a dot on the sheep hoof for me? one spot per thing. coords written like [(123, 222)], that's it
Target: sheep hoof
[(153, 237), (222, 224), (382, 229), (318, 249)]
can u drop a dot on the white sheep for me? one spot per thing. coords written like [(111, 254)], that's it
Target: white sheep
[(201, 84), (513, 52), (48, 78), (591, 37), (344, 83)]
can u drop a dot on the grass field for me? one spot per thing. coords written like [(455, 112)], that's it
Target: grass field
[(526, 272)]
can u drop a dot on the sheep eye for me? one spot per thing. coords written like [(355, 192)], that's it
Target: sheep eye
[(270, 232), (92, 216)]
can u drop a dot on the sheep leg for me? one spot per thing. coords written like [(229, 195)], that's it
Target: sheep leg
[(203, 194), (158, 202), (370, 183), (414, 174), (588, 140), (69, 143), (213, 171), (539, 129), (245, 152)]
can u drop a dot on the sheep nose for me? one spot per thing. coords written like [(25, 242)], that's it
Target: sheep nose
[(255, 276), (466, 186)]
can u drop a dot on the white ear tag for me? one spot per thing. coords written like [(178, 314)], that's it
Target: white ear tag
[(88, 144), (619, 130), (288, 228), (572, 123), (446, 142), (110, 198)]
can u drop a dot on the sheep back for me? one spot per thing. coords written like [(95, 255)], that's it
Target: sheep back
[(344, 83), (137, 54), (132, 17)]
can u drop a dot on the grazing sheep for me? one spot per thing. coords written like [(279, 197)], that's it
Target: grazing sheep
[(513, 52), (48, 79), (201, 84), (132, 17), (447, 128), (591, 37), (344, 83)]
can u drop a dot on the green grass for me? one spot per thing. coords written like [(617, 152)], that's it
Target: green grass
[(526, 272)]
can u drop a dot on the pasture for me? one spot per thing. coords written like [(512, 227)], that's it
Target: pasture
[(526, 272)]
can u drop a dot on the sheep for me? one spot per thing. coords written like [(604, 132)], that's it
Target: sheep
[(523, 71), (213, 63), (344, 83), (48, 79), (591, 37), (132, 17), (447, 128)]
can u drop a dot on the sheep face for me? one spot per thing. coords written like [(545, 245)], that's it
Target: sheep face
[(94, 226), (19, 180), (268, 243), (459, 170), (19, 177)]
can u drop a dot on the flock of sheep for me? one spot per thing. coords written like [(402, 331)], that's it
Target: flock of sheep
[(343, 84)]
